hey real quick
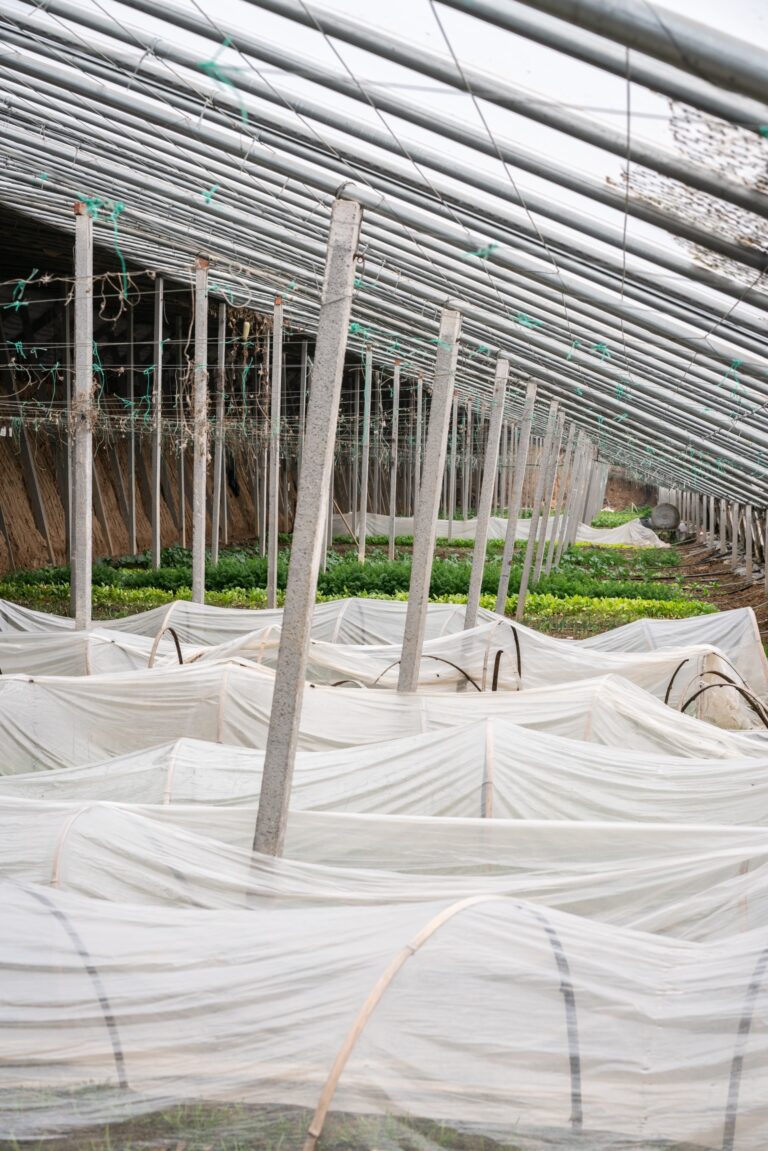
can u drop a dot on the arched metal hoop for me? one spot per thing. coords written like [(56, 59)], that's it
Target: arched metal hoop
[(106, 1008), (751, 699), (156, 645), (439, 659), (737, 1063), (497, 662)]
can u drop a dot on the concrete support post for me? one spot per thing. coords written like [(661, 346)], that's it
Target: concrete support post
[(548, 522), (748, 541), (200, 430), (132, 544), (711, 533), (513, 510), (417, 445), (538, 497), (734, 535), (302, 404), (68, 352), (329, 525), (82, 416), (393, 458), (425, 525), (263, 464), (355, 456), (273, 515), (452, 465), (487, 491), (362, 524), (309, 526), (510, 469), (582, 496), (157, 423), (180, 425), (722, 545), (466, 470), (498, 495), (577, 482), (218, 451), (558, 527)]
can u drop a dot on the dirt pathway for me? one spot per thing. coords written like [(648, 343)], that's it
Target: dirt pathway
[(708, 576)]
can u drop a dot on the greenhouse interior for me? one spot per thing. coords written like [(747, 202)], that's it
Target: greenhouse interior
[(384, 575)]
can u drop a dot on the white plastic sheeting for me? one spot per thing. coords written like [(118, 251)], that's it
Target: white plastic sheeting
[(502, 655), (59, 652), (701, 882), (52, 722), (631, 534), (492, 768), (503, 1017), (734, 632), (337, 621), (372, 621), (499, 654)]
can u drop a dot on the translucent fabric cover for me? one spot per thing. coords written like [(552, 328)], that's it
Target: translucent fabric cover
[(699, 882), (60, 652), (631, 534), (58, 722), (371, 621), (502, 656), (502, 1017), (735, 633), (338, 621), (492, 768)]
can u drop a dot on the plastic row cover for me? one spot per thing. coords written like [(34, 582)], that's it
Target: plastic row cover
[(349, 620), (499, 656), (493, 769), (352, 621), (493, 1017), (631, 534), (68, 722), (698, 883)]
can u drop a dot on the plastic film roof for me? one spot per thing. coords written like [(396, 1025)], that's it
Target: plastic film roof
[(607, 242)]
